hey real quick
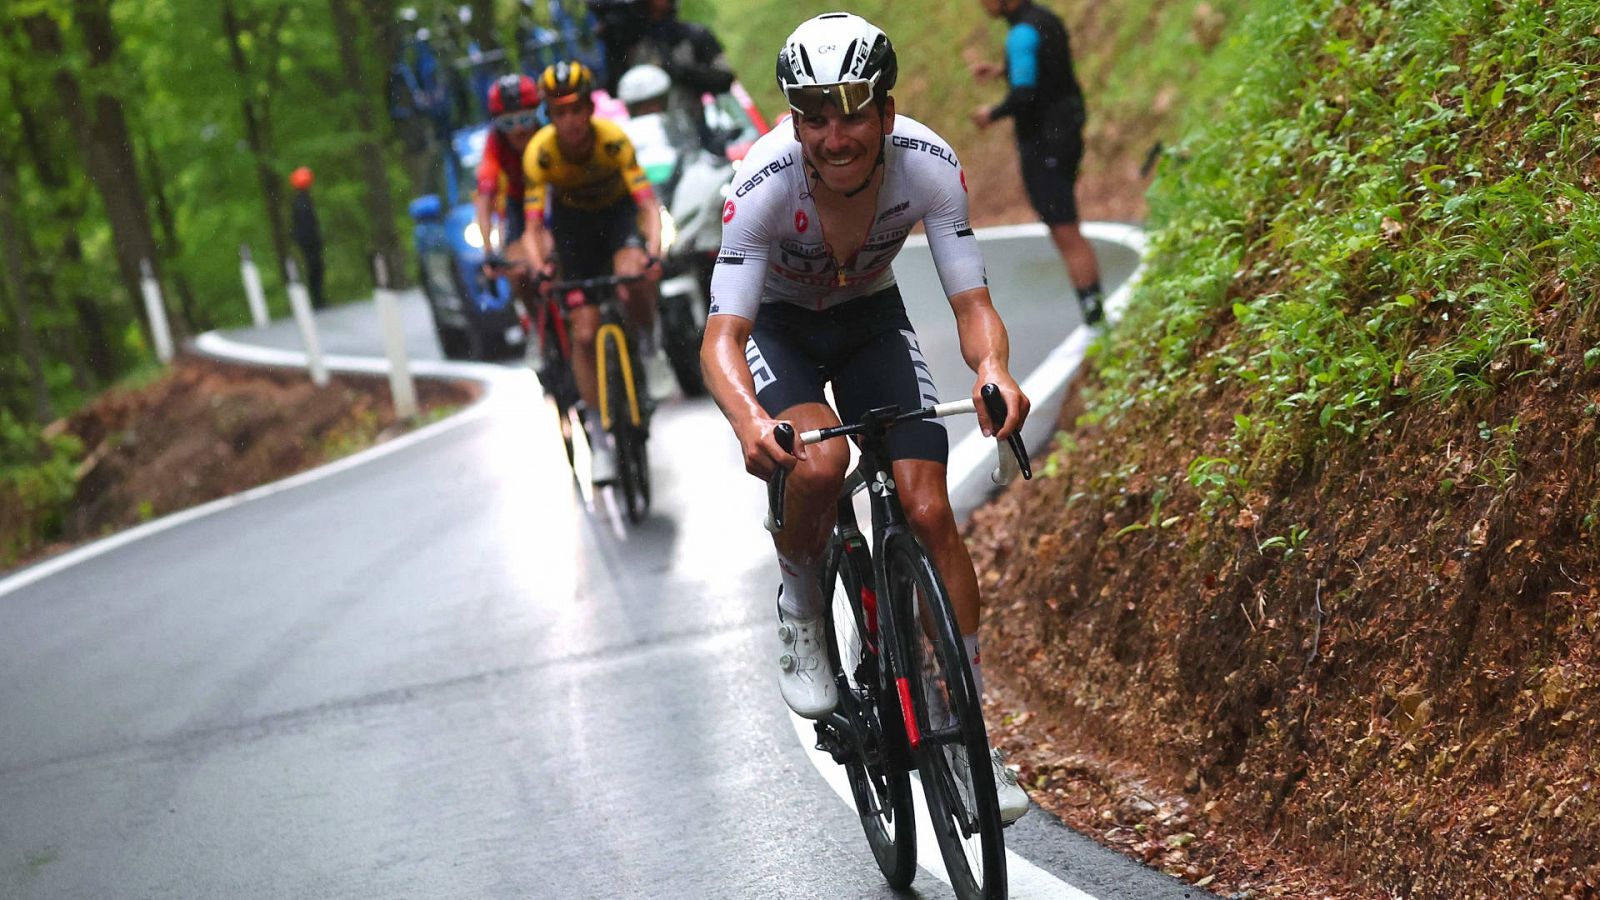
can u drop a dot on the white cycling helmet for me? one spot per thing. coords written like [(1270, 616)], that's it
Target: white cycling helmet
[(642, 83), (839, 58)]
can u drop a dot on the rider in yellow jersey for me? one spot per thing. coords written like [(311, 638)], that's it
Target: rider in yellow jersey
[(604, 218)]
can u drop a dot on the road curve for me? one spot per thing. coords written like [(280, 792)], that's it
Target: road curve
[(440, 671)]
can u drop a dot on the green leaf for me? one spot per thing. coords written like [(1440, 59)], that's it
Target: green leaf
[(1498, 95), (1405, 300)]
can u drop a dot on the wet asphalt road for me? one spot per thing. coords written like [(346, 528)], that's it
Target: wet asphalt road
[(443, 673)]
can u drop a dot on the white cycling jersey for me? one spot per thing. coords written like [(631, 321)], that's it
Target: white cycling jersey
[(772, 243)]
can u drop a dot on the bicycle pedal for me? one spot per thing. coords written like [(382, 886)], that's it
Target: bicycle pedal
[(828, 742)]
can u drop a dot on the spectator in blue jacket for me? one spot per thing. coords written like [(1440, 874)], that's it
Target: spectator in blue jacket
[(1045, 104)]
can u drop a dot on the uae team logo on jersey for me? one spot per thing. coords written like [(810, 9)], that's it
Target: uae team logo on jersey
[(727, 212), (801, 221)]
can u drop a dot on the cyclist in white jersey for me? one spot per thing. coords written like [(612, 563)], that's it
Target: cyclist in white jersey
[(803, 295)]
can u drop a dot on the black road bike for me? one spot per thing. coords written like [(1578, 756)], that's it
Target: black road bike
[(906, 695)]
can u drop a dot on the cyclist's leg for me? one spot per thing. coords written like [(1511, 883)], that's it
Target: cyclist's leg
[(887, 368), (789, 386), (583, 321), (812, 490), (577, 236), (628, 258)]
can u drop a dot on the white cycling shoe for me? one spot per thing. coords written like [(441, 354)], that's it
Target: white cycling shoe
[(602, 459), (1013, 799), (804, 674)]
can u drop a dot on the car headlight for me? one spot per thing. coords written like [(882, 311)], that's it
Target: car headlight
[(669, 231), (474, 237)]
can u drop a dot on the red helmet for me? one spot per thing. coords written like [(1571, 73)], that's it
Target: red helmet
[(300, 179), (512, 93)]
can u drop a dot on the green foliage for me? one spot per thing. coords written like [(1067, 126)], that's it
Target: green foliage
[(37, 481), (1373, 206)]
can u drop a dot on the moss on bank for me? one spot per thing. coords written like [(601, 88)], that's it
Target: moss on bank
[(1323, 547)]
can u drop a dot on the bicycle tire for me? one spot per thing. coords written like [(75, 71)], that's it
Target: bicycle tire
[(949, 720), (880, 783), (633, 464)]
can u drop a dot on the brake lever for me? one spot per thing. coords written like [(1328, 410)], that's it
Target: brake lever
[(784, 435), (995, 403)]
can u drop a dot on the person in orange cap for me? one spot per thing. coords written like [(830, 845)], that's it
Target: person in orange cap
[(307, 233)]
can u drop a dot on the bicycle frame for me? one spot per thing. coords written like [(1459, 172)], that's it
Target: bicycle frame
[(874, 472), (602, 292)]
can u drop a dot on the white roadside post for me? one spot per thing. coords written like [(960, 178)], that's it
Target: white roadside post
[(252, 287), (155, 311), (401, 386), (300, 303)]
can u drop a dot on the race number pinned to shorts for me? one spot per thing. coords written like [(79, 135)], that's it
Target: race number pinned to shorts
[(759, 370)]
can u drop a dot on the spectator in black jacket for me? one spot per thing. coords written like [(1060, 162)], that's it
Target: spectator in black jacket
[(307, 233), (1045, 103), (649, 32)]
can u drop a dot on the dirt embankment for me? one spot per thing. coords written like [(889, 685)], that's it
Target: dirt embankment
[(207, 429), (1378, 681)]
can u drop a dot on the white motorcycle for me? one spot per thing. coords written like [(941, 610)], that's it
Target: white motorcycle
[(693, 184)]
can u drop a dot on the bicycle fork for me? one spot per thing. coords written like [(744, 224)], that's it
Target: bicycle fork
[(611, 333)]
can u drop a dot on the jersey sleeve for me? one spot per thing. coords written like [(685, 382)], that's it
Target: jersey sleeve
[(950, 236), (741, 269), (489, 174), (1022, 70), (632, 173)]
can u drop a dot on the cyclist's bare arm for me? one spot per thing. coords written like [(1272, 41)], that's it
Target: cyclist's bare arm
[(533, 241), (987, 349), (728, 378), (649, 221), (482, 211)]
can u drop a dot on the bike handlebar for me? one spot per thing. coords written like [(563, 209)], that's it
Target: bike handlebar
[(599, 281), (993, 401)]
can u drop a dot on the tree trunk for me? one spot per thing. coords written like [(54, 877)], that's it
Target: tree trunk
[(102, 134), (482, 27), (374, 155), (90, 334), (256, 133), (16, 287), (195, 318)]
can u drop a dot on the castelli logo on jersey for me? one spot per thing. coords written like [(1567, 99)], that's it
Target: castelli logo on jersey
[(727, 212), (801, 223), (963, 181)]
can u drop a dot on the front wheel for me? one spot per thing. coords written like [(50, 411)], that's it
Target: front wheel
[(633, 460), (949, 742), (876, 768)]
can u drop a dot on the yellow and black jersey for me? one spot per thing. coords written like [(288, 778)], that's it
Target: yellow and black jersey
[(610, 173)]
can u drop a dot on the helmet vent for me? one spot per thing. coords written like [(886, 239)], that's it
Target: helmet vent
[(805, 60), (849, 58)]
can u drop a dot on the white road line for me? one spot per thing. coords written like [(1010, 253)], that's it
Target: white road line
[(1024, 880)]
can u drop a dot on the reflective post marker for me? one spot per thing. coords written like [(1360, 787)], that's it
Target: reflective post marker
[(401, 386), (300, 303), (252, 287), (155, 311)]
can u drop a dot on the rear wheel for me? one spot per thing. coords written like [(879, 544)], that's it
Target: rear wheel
[(953, 753), (875, 766)]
